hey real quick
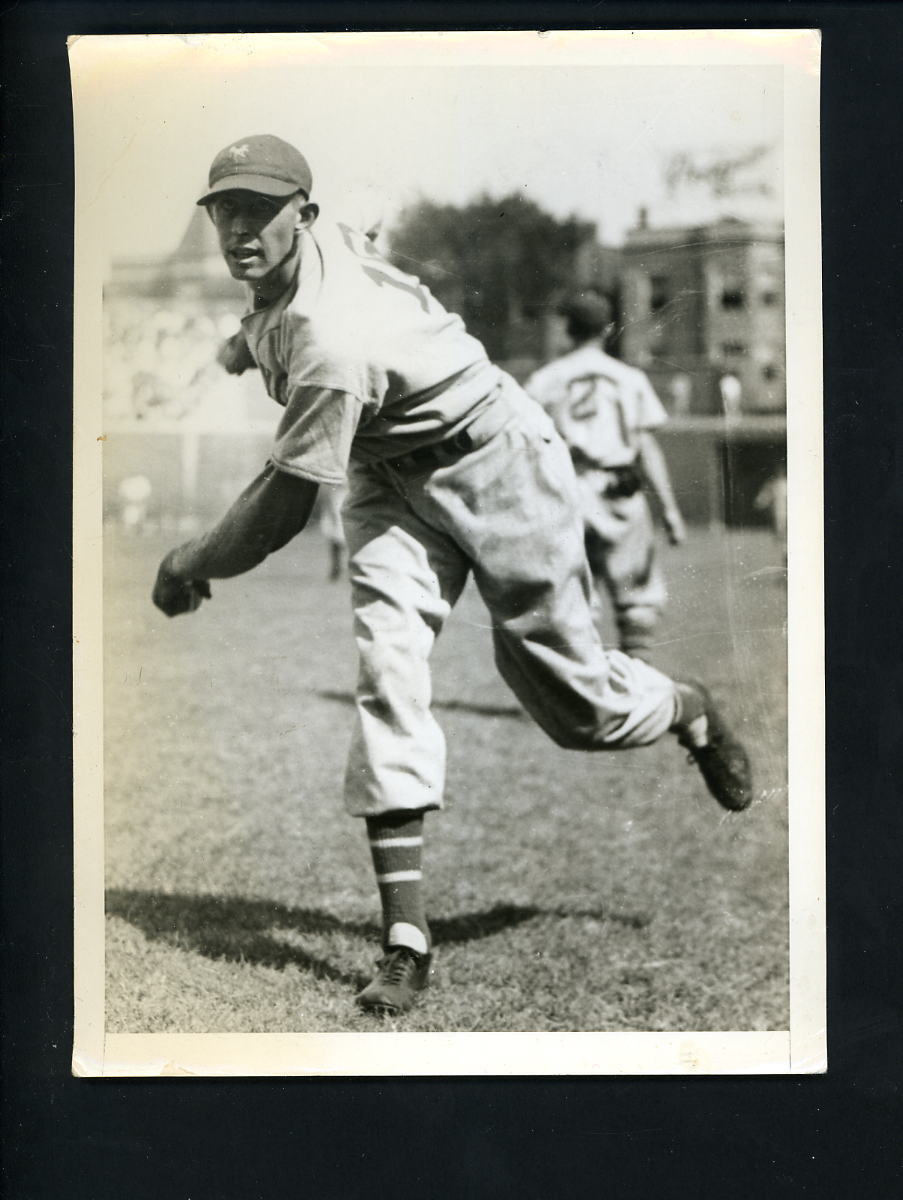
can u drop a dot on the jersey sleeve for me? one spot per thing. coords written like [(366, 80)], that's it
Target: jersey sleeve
[(650, 412), (316, 431)]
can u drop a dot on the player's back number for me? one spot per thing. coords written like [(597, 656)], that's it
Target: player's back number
[(586, 396)]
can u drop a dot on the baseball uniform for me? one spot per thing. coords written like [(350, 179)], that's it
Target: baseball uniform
[(599, 406), (451, 469)]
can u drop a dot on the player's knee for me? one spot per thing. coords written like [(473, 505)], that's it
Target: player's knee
[(571, 736)]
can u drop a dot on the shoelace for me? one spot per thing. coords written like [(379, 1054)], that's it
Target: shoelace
[(395, 966)]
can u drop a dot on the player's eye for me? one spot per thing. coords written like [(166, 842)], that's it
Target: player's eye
[(258, 211), (264, 210), (221, 209)]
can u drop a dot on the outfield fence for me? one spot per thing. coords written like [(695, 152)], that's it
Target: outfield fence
[(719, 471)]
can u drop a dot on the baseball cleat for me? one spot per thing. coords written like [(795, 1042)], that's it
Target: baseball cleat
[(722, 760), (400, 975)]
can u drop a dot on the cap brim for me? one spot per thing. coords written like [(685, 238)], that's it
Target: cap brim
[(251, 183)]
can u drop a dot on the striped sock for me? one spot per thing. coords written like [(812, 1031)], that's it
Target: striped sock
[(396, 844)]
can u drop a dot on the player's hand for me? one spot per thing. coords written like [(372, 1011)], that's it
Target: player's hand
[(234, 355), (674, 526), (175, 595)]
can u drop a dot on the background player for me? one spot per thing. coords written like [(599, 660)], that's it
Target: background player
[(606, 411), (453, 470), (772, 498), (332, 497), (134, 493)]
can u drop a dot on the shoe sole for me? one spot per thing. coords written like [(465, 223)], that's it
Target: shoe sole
[(385, 1009)]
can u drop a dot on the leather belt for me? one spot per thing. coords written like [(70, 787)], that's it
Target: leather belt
[(619, 481), (626, 481), (484, 426)]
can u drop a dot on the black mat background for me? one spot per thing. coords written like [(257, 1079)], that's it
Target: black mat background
[(189, 1140)]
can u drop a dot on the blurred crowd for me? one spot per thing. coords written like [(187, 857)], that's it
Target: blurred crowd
[(160, 364)]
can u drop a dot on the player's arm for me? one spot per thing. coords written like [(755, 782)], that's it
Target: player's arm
[(312, 446), (655, 468), (267, 515)]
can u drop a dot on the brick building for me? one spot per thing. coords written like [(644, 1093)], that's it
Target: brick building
[(702, 312)]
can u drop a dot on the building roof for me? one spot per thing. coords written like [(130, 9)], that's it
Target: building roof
[(726, 230), (199, 241), (196, 261)]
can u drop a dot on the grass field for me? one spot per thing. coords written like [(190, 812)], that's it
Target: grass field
[(567, 891)]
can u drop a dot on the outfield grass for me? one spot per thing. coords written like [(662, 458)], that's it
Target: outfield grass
[(568, 891)]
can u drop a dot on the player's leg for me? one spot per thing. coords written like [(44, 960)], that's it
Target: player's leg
[(515, 509), (596, 549), (513, 504), (549, 652), (632, 574), (590, 488), (405, 577)]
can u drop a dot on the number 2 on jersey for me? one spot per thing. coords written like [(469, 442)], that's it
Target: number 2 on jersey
[(585, 395), (383, 274)]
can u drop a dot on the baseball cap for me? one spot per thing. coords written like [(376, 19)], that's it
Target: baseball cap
[(591, 309), (261, 163)]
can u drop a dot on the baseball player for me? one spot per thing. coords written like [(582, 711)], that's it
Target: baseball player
[(606, 411), (772, 499), (453, 470)]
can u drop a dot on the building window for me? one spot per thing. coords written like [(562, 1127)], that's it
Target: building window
[(733, 296), (733, 349), (770, 298), (770, 372), (658, 292)]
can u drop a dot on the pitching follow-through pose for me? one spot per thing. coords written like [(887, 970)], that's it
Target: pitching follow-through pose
[(606, 411), (452, 470)]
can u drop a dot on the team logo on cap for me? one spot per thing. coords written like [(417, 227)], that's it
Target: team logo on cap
[(239, 152)]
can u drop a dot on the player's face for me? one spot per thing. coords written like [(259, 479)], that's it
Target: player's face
[(256, 233)]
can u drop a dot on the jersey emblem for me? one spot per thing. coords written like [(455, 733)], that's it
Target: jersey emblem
[(239, 152)]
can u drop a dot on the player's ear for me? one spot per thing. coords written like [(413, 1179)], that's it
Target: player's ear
[(307, 214)]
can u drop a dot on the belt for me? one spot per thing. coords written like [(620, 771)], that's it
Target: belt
[(481, 429), (620, 481), (626, 482), (441, 454)]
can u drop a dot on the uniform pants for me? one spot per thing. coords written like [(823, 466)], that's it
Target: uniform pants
[(507, 512), (620, 548)]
